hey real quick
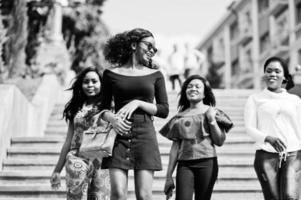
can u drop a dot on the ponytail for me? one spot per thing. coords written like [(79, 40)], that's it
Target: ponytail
[(289, 82)]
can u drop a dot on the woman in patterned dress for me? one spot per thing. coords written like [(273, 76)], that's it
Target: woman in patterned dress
[(84, 178)]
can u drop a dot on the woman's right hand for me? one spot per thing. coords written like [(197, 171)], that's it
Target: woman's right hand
[(122, 127), (276, 143), (55, 181), (169, 186)]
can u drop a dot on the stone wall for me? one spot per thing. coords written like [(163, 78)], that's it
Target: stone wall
[(21, 118)]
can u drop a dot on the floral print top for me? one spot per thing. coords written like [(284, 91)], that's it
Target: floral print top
[(83, 120)]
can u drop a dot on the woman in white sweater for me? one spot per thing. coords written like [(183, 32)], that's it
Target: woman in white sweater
[(273, 120)]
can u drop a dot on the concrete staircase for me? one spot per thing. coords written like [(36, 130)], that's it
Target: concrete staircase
[(30, 161)]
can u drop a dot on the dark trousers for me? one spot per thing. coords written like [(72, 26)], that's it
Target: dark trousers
[(198, 180), (173, 79), (280, 180)]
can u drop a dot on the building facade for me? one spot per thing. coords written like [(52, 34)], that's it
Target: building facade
[(250, 32)]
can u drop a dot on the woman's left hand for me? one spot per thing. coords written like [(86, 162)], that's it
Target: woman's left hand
[(126, 111), (210, 114), (55, 181), (168, 187)]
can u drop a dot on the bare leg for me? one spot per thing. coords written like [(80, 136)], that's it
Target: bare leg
[(143, 184), (119, 184)]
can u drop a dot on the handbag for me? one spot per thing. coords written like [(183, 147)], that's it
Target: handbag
[(98, 142), (223, 120)]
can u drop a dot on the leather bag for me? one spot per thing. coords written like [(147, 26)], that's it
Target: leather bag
[(98, 142)]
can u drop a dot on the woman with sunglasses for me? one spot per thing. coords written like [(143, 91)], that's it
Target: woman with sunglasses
[(133, 85), (272, 119)]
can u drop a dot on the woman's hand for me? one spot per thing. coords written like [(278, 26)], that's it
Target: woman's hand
[(278, 145), (120, 126), (210, 114), (126, 111), (55, 181), (169, 186)]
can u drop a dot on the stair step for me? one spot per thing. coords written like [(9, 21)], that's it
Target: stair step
[(157, 181), (220, 186), (53, 140), (62, 125), (53, 151), (215, 196), (63, 131), (48, 164), (30, 162), (225, 173)]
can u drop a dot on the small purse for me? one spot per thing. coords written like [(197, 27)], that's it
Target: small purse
[(98, 142), (223, 120)]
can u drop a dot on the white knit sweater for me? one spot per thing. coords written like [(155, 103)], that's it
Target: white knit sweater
[(274, 114)]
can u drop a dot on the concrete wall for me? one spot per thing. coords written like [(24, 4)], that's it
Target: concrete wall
[(21, 118)]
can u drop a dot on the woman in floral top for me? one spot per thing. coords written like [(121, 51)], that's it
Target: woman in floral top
[(84, 178)]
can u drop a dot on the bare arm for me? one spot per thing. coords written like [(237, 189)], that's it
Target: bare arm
[(119, 123), (173, 156), (65, 149), (218, 136), (55, 179), (126, 111)]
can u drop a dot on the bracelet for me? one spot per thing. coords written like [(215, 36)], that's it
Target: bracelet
[(213, 122)]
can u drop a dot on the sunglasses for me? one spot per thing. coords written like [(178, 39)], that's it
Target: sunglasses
[(149, 46)]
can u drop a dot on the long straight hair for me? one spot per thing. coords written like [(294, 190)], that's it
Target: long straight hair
[(78, 96)]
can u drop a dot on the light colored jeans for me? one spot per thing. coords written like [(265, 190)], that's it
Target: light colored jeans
[(280, 180)]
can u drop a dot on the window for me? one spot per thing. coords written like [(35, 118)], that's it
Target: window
[(299, 57), (234, 30), (235, 68), (264, 42), (263, 5), (298, 13), (210, 54), (246, 22), (282, 28), (235, 73), (248, 61)]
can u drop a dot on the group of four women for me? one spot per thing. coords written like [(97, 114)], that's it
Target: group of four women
[(137, 90)]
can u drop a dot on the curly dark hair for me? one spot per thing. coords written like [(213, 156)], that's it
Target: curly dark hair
[(288, 77), (209, 99), (78, 97), (118, 50)]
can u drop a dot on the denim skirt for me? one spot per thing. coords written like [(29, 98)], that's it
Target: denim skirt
[(137, 150)]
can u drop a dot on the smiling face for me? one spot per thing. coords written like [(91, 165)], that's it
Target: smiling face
[(195, 91), (91, 84), (145, 50), (274, 76)]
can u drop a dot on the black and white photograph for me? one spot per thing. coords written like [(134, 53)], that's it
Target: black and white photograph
[(150, 99)]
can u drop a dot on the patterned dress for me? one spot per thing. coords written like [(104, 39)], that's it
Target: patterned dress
[(84, 178)]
